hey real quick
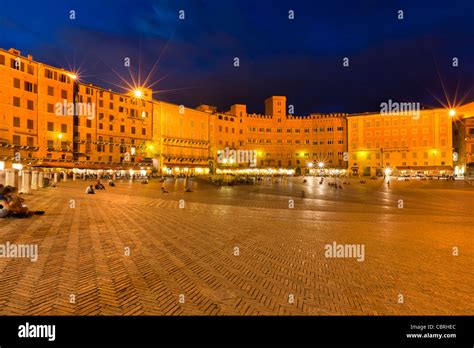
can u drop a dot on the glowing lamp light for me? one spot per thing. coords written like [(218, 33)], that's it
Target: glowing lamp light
[(60, 136), (321, 164), (388, 171), (310, 165), (138, 93), (452, 112)]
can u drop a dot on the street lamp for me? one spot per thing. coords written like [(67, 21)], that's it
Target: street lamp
[(452, 112), (321, 164), (138, 93)]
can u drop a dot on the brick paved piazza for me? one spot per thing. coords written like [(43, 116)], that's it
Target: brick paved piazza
[(281, 255)]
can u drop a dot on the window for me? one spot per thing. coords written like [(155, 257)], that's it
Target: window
[(16, 140), (50, 127), (63, 128), (2, 60), (29, 124), (89, 123), (16, 122), (29, 105), (133, 130), (16, 101), (100, 146), (29, 87), (144, 131), (111, 127), (16, 64), (51, 91), (31, 70), (63, 94), (51, 108), (16, 83), (122, 128)]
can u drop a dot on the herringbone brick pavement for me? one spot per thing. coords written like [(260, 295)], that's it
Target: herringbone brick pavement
[(184, 261)]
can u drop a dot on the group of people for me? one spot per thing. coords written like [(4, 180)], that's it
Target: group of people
[(98, 186), (335, 185), (12, 205)]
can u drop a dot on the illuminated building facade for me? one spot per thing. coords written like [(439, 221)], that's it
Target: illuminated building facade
[(463, 141), (281, 140), (29, 92), (404, 144), (49, 118)]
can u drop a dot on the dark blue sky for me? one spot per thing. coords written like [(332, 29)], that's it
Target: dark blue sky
[(394, 59)]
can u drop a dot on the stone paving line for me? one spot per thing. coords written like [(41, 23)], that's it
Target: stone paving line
[(185, 261)]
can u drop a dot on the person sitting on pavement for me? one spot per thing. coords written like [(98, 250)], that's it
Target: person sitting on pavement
[(15, 205), (163, 190), (4, 211), (111, 183), (90, 190), (99, 186)]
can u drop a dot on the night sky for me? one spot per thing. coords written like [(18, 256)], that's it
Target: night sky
[(402, 60)]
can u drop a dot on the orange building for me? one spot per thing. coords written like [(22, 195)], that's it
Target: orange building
[(182, 136), (303, 143), (51, 119), (30, 130), (463, 141), (112, 130), (400, 143)]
